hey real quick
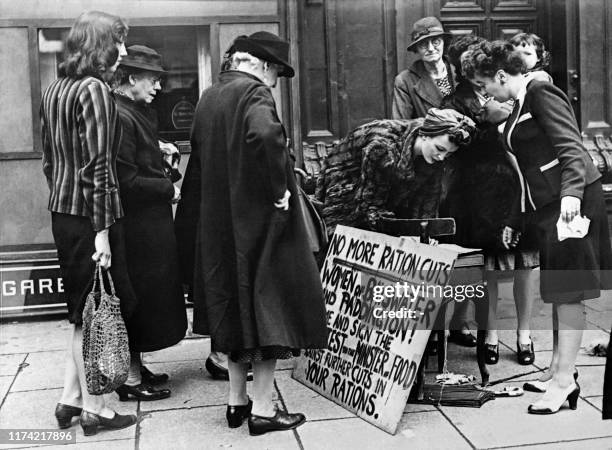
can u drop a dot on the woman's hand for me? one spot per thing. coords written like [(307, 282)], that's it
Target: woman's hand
[(177, 194), (510, 237), (283, 203), (103, 250), (570, 208)]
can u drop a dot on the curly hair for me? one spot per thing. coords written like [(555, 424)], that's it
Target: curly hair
[(91, 45), (486, 58), (458, 46), (533, 39)]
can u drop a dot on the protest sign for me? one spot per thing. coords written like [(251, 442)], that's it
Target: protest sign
[(382, 295)]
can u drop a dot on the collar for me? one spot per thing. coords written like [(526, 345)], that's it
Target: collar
[(520, 96)]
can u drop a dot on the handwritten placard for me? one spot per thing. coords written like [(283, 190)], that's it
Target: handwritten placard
[(382, 296)]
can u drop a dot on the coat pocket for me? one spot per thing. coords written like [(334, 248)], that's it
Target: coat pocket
[(545, 182)]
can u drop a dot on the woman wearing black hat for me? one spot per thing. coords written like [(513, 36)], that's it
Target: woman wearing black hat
[(257, 291), (147, 194)]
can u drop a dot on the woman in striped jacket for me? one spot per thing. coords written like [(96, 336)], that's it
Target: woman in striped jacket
[(81, 134)]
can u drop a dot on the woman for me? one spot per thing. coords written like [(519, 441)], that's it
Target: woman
[(81, 133), (429, 79), (147, 195), (481, 194), (558, 184), (257, 291), (383, 169)]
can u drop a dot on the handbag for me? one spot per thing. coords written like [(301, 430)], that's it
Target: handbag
[(316, 230), (106, 351)]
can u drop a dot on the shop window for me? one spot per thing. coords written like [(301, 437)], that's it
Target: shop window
[(184, 51)]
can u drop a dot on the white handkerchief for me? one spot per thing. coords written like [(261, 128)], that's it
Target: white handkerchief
[(577, 228)]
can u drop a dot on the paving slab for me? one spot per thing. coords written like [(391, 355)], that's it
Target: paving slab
[(596, 401), (591, 444), (542, 359), (186, 350), (299, 398), (41, 370), (591, 380), (205, 428), (487, 427), (417, 430), (111, 444), (9, 364), (34, 336), (5, 384), (34, 409)]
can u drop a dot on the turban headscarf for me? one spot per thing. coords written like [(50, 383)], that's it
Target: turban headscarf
[(448, 121)]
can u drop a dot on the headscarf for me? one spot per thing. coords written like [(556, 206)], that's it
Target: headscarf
[(448, 121)]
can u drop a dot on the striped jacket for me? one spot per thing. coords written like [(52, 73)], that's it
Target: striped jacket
[(81, 134)]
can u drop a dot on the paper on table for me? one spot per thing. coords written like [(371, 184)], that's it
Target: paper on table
[(576, 229)]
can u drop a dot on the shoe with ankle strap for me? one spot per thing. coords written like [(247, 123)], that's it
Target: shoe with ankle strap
[(90, 422), (525, 353), (554, 404)]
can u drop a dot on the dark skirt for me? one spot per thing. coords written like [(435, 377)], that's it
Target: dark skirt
[(74, 238), (606, 410), (160, 319), (575, 269)]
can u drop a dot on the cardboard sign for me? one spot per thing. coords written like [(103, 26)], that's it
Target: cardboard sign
[(382, 296)]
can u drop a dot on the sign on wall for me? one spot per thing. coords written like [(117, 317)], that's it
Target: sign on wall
[(382, 296)]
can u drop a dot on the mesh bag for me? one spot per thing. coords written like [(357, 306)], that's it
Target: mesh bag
[(106, 351)]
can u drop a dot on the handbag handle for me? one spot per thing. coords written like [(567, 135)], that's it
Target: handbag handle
[(101, 281)]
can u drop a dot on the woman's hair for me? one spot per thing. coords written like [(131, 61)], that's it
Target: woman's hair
[(457, 47), (91, 45), (486, 58), (459, 128), (535, 40)]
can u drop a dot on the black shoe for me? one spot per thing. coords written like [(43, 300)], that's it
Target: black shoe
[(236, 414), (279, 422), (141, 392), (524, 353), (90, 422), (491, 353), (218, 372), (151, 378), (65, 413), (463, 339)]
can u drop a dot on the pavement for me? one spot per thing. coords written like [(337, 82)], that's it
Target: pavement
[(31, 374)]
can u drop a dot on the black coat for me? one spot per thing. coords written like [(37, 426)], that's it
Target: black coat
[(256, 282), (160, 319)]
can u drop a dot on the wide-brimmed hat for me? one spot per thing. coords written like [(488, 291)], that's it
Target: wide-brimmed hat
[(426, 28), (268, 47), (141, 57)]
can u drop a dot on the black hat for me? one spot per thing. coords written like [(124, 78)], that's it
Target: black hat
[(268, 47), (426, 28), (142, 57)]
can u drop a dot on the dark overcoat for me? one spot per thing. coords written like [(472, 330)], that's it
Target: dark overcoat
[(160, 319), (256, 282)]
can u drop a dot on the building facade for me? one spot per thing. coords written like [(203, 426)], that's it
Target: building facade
[(346, 54)]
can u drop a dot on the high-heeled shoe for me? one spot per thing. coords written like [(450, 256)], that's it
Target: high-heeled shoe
[(541, 386), (151, 378), (491, 353), (552, 406), (90, 422), (525, 353), (279, 422), (65, 413), (141, 392), (236, 414)]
